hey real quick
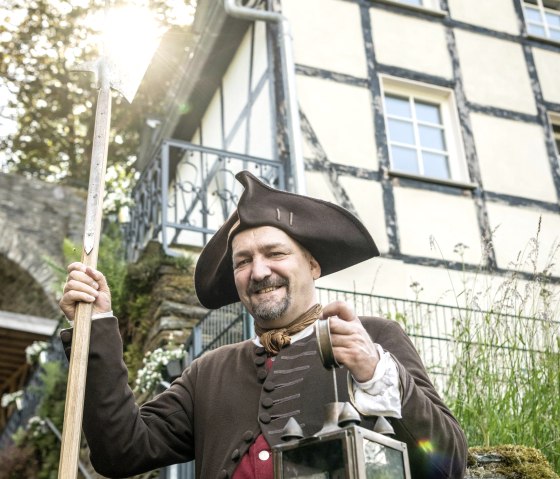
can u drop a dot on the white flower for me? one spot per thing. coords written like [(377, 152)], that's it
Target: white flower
[(154, 362)]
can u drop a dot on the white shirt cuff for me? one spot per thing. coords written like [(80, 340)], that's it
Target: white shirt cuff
[(381, 395), (107, 314)]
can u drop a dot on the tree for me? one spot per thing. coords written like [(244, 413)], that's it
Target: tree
[(54, 106)]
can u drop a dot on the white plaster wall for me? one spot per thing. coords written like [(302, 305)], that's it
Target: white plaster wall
[(379, 276), (260, 53), (494, 72), (494, 14), (448, 219), (212, 123), (341, 116), (410, 43), (236, 83), (327, 34), (548, 70), (514, 237), (262, 135), (318, 186), (367, 198), (513, 158)]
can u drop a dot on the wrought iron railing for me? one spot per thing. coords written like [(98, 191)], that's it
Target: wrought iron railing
[(187, 192)]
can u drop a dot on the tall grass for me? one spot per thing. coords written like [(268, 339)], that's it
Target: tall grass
[(505, 383)]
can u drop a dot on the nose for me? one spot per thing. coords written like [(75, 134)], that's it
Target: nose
[(260, 269)]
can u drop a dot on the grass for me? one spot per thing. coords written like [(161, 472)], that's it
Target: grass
[(505, 384)]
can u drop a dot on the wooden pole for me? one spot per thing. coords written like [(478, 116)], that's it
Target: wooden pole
[(75, 393)]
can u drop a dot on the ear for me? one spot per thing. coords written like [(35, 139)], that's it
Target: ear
[(315, 267)]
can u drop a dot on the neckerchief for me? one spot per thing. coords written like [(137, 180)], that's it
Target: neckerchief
[(273, 340)]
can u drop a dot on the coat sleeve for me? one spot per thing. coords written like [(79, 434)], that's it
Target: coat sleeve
[(124, 439), (437, 446)]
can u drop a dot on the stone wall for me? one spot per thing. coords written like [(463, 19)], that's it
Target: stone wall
[(35, 217)]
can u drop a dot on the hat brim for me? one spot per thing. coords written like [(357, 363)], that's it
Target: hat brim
[(333, 235)]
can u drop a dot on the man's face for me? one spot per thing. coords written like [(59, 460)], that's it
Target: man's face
[(274, 275)]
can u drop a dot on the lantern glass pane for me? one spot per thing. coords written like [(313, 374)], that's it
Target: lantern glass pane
[(383, 462), (323, 460)]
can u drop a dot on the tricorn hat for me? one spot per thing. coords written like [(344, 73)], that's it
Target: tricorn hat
[(333, 235)]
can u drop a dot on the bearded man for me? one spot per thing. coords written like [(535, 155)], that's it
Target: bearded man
[(230, 406)]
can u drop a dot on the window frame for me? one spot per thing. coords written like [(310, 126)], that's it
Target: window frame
[(445, 98), (428, 6), (542, 10), (554, 120)]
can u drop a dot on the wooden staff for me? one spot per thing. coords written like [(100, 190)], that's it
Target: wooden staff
[(115, 76)]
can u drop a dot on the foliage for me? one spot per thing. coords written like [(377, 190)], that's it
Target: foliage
[(154, 366), (54, 106), (505, 382), (139, 300), (36, 448), (18, 463)]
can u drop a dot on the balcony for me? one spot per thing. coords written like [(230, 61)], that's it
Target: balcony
[(187, 192)]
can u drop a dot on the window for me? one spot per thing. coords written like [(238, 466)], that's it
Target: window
[(422, 131), (555, 123), (543, 18), (432, 5)]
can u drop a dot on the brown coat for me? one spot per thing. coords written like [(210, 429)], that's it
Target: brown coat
[(225, 399)]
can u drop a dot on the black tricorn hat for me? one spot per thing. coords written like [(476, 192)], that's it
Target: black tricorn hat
[(333, 235)]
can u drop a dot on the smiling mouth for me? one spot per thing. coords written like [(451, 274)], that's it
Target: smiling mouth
[(268, 290)]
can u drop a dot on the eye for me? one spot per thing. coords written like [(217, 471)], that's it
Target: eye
[(277, 254), (241, 262)]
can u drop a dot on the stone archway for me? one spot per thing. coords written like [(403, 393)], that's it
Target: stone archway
[(35, 218)]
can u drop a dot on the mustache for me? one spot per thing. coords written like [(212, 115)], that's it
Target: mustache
[(255, 286)]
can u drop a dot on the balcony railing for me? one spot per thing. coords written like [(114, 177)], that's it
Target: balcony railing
[(187, 192)]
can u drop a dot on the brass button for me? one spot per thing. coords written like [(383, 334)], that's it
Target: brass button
[(260, 360), (235, 455), (260, 351), (269, 386), (262, 374), (248, 436), (267, 402), (264, 418)]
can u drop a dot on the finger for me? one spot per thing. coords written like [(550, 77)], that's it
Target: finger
[(74, 296), (80, 286), (341, 309), (76, 277)]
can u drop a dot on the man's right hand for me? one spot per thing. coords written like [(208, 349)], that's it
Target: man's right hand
[(84, 285)]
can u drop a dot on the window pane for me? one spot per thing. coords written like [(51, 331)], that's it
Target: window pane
[(404, 159), (552, 19), (411, 2), (554, 34), (401, 131), (397, 106), (435, 165), (536, 30), (427, 112), (431, 137), (533, 15)]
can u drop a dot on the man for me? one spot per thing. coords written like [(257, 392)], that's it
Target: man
[(230, 406)]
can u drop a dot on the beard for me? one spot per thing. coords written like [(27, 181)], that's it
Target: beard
[(272, 309)]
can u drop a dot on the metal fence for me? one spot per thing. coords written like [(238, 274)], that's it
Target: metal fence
[(187, 192), (440, 333)]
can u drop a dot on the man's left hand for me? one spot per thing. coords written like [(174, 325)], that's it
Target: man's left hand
[(352, 345)]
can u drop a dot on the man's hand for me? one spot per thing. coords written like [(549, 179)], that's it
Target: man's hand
[(86, 285), (352, 345)]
